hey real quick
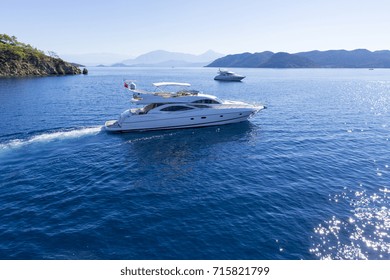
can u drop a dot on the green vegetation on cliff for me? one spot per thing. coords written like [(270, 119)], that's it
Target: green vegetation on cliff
[(19, 59)]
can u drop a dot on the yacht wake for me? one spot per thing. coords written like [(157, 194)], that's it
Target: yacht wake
[(50, 136)]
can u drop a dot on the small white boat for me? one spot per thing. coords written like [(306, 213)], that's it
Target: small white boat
[(225, 75), (179, 109)]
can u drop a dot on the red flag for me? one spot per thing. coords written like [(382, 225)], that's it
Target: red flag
[(126, 85)]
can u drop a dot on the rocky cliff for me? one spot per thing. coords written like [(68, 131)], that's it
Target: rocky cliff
[(18, 59)]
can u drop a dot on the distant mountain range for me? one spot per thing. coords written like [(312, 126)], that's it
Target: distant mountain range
[(360, 58), (157, 58), (167, 59), (93, 59)]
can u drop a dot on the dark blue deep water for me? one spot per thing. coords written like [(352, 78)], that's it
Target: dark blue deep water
[(307, 178)]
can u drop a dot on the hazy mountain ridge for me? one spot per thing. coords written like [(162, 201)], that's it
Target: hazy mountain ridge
[(168, 63), (359, 58), (93, 59), (166, 58)]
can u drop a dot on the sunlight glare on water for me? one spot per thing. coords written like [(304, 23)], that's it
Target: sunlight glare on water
[(364, 233)]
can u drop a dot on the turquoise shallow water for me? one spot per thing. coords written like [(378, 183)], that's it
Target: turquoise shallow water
[(307, 178)]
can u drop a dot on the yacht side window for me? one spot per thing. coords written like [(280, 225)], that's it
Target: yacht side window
[(176, 108), (206, 101), (149, 107), (201, 106)]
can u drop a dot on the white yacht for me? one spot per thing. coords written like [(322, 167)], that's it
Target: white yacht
[(225, 75), (178, 109)]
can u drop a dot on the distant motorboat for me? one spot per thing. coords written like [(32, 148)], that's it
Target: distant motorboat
[(225, 75)]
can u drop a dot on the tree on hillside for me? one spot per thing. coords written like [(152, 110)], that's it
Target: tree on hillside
[(52, 54), (6, 39)]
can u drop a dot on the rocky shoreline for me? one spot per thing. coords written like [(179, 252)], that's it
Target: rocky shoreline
[(36, 67), (19, 60)]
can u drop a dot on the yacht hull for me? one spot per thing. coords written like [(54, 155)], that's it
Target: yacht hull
[(158, 122), (229, 78), (179, 109)]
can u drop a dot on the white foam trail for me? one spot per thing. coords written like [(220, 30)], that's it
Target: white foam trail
[(51, 136)]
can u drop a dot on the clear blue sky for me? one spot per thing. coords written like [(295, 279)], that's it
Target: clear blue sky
[(195, 26)]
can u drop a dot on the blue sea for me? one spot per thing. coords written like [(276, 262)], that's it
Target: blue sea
[(306, 178)]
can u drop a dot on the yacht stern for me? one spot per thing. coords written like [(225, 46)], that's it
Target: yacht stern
[(112, 125)]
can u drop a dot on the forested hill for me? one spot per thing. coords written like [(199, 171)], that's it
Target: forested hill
[(19, 59), (360, 58)]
